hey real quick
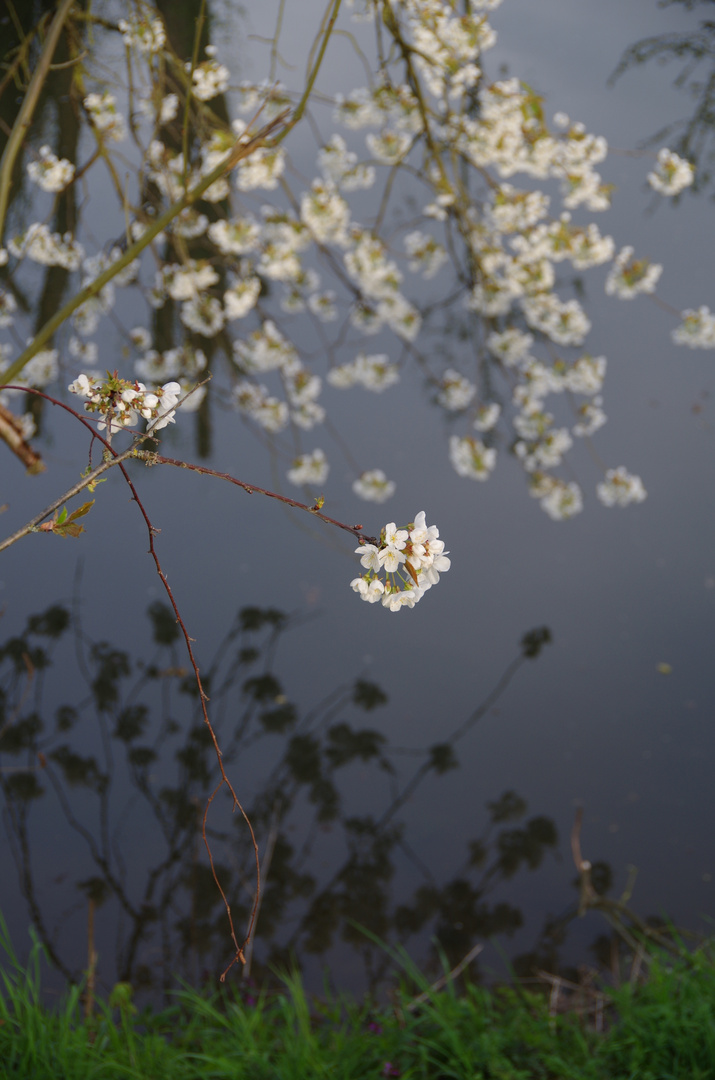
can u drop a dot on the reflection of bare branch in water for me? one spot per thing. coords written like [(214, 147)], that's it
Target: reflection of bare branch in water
[(627, 948), (134, 745)]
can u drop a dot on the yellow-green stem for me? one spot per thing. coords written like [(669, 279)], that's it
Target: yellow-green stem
[(240, 151)]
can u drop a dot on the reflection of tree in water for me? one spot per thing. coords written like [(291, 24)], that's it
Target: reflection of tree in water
[(692, 138), (57, 115), (129, 762)]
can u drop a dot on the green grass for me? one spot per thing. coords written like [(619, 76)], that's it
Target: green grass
[(662, 1030)]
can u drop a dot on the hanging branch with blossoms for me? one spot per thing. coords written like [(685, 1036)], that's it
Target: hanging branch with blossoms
[(490, 248)]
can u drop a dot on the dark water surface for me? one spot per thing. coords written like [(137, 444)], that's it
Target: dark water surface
[(594, 720)]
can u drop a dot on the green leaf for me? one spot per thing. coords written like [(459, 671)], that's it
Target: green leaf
[(67, 526), (91, 486)]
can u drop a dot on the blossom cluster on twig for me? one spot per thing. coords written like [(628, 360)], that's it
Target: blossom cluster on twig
[(411, 560), (122, 403)]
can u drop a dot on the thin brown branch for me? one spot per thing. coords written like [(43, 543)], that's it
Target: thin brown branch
[(265, 869), (114, 458), (152, 458)]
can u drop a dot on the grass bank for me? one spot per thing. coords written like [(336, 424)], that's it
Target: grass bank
[(661, 1029)]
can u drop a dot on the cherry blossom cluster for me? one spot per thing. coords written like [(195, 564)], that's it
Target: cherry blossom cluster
[(620, 488), (50, 172), (373, 486), (121, 404), (697, 329), (672, 174), (630, 276), (105, 117), (374, 373), (143, 32), (411, 560), (310, 468)]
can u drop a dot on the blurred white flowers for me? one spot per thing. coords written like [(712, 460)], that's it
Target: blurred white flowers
[(50, 172), (630, 276), (309, 469), (620, 488), (672, 173)]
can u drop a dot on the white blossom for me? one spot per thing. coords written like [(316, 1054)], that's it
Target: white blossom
[(171, 364), (210, 79), (566, 323), (514, 211), (256, 402), (323, 305), (342, 167), (389, 147), (203, 314), (50, 172), (8, 307), (262, 169), (237, 236), (357, 110), (558, 499), (41, 370), (487, 416), (591, 418), (455, 391), (471, 458), (190, 223), (373, 486), (146, 35), (411, 559), (301, 385), (307, 415), (510, 346), (426, 254), (241, 297), (48, 248), (672, 173), (309, 469), (169, 108), (585, 375), (374, 373), (628, 277), (545, 452), (105, 118), (620, 488), (165, 410), (186, 281), (265, 349), (697, 329), (86, 352), (326, 213)]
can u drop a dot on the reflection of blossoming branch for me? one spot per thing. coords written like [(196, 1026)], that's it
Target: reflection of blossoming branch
[(437, 119)]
